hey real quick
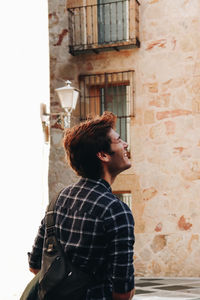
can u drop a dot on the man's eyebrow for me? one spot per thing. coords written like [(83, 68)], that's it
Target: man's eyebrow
[(116, 139)]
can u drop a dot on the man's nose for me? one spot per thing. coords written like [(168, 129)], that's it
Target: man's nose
[(125, 144)]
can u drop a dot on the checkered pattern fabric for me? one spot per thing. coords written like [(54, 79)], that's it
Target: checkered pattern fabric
[(96, 229)]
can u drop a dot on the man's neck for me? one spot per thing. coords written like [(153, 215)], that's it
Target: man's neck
[(107, 177)]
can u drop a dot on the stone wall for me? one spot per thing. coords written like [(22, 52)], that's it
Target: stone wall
[(165, 132)]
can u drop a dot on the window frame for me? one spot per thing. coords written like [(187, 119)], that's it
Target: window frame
[(104, 80), (90, 85)]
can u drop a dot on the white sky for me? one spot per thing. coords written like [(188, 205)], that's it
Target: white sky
[(24, 80)]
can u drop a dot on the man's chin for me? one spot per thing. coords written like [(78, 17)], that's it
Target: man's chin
[(129, 163), (127, 166)]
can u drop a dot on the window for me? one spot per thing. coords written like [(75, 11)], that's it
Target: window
[(100, 25), (108, 92), (126, 197)]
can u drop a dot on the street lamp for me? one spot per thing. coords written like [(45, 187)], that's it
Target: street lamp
[(68, 97)]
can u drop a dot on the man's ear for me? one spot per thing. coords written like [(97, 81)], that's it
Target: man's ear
[(103, 156)]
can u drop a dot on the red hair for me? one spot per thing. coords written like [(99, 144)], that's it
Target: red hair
[(82, 143)]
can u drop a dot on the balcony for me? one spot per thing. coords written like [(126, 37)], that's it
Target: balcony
[(103, 25)]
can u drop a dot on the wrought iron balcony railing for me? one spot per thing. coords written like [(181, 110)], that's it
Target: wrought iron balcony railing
[(103, 25)]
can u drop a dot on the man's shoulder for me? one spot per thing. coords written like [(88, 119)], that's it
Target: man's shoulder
[(115, 204), (96, 195), (86, 190)]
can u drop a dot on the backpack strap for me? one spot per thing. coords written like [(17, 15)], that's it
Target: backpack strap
[(50, 233), (50, 217)]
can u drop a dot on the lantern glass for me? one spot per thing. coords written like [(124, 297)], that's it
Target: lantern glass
[(68, 97)]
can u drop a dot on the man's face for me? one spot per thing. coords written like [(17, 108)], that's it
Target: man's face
[(119, 160)]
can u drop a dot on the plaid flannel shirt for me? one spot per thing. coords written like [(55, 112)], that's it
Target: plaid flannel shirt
[(96, 229)]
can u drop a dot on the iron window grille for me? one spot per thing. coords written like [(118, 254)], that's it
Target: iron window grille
[(101, 25), (126, 197), (108, 92)]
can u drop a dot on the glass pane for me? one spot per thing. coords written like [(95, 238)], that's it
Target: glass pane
[(114, 99), (112, 20)]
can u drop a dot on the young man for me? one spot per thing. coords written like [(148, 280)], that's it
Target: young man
[(93, 226)]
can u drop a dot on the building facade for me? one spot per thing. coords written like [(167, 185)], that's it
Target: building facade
[(140, 60)]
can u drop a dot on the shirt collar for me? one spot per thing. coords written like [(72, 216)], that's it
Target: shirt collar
[(99, 181)]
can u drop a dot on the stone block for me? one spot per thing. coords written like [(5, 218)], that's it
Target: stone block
[(162, 100), (149, 193), (149, 117), (183, 224), (170, 127), (153, 87), (191, 171), (172, 114), (157, 133)]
